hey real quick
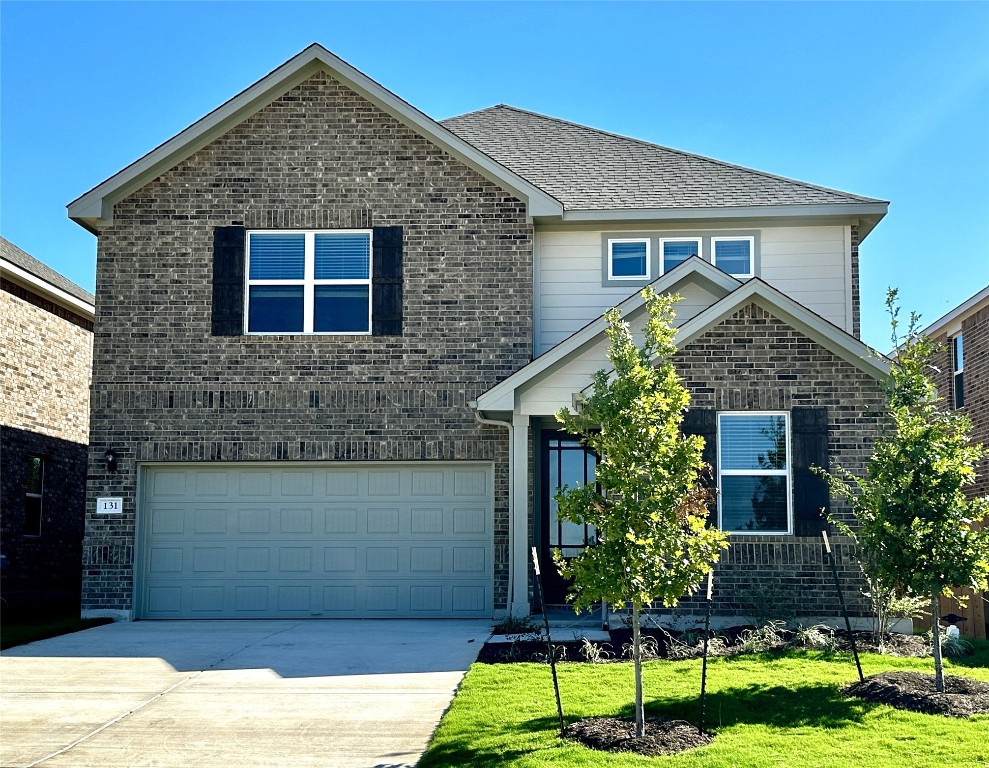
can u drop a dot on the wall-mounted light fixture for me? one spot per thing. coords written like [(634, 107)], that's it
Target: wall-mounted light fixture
[(111, 460)]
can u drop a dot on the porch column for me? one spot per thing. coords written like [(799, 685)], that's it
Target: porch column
[(519, 545)]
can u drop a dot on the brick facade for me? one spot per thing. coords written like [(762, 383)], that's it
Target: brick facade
[(755, 361), (856, 283), (166, 390), (44, 411), (975, 333)]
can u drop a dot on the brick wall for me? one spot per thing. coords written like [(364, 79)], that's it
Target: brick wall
[(46, 372), (166, 390), (755, 361), (44, 411), (975, 332)]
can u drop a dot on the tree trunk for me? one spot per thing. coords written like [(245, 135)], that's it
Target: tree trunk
[(640, 726), (936, 634)]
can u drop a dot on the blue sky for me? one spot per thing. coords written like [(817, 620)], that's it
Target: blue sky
[(888, 100)]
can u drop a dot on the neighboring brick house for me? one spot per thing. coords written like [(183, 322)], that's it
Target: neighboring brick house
[(47, 350), (962, 377), (333, 334)]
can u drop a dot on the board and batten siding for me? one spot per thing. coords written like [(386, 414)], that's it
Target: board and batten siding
[(811, 265)]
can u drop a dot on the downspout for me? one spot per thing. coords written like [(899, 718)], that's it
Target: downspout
[(511, 494)]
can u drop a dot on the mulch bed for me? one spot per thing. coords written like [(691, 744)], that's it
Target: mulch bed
[(915, 691), (614, 734)]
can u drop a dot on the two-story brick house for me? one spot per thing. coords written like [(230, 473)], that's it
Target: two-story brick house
[(332, 334), (46, 347)]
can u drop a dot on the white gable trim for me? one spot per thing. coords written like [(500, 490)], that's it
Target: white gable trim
[(44, 288), (951, 322), (812, 325), (94, 209), (501, 397)]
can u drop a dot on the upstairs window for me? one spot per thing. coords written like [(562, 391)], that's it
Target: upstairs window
[(628, 259), (309, 282), (958, 371), (754, 473), (733, 255), (33, 494), (676, 250)]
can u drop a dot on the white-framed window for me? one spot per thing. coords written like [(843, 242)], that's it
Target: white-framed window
[(958, 371), (34, 489), (754, 476), (676, 250), (308, 281), (628, 258), (734, 255)]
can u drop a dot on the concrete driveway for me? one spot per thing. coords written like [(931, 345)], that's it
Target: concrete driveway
[(233, 693)]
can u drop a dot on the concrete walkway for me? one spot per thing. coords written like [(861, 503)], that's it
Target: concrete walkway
[(233, 693)]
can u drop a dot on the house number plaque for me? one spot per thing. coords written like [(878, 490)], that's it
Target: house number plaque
[(110, 505)]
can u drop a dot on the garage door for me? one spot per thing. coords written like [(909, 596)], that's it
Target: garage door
[(296, 541)]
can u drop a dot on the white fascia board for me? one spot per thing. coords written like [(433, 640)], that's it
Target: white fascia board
[(955, 316), (502, 395), (809, 323), (95, 208), (43, 287), (867, 214)]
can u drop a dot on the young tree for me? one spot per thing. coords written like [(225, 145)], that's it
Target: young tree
[(915, 528), (648, 505)]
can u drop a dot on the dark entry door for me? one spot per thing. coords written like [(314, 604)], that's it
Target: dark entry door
[(564, 462)]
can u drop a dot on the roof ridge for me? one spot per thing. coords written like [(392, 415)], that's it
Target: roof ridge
[(674, 150)]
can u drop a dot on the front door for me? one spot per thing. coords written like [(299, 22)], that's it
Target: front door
[(565, 462)]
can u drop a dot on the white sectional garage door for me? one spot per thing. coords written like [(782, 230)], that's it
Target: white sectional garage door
[(296, 541)]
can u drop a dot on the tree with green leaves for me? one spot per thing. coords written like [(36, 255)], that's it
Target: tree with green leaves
[(916, 530), (648, 505)]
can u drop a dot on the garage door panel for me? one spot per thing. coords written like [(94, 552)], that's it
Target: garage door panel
[(426, 551)]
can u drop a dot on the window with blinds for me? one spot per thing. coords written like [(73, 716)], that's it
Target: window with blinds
[(309, 282), (754, 473), (733, 255)]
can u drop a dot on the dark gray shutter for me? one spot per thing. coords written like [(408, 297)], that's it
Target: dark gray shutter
[(386, 282), (228, 281), (704, 422), (809, 442)]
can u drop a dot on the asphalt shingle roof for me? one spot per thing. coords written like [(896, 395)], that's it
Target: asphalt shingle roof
[(588, 169), (28, 263)]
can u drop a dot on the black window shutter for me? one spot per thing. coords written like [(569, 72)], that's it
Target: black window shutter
[(704, 422), (228, 281), (809, 442), (386, 279)]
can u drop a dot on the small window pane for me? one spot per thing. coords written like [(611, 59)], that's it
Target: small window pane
[(278, 257), (343, 257), (959, 390), (753, 442), (733, 256), (32, 515), (35, 475), (959, 353), (276, 308), (341, 309), (677, 252), (629, 259), (753, 503)]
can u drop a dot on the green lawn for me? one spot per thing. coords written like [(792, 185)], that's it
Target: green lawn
[(18, 631), (766, 710)]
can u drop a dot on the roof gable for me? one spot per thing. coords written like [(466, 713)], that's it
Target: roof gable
[(813, 326), (593, 172), (94, 209), (502, 396)]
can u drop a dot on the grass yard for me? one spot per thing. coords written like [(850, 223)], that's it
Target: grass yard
[(19, 631), (766, 710)]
